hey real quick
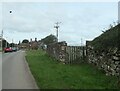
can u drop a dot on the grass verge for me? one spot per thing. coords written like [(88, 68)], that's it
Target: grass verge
[(50, 74)]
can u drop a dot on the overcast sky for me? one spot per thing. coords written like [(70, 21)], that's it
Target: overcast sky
[(37, 20)]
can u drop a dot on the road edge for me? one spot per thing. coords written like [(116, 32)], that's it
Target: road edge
[(29, 71)]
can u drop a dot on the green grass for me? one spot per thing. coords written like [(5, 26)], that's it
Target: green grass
[(50, 74)]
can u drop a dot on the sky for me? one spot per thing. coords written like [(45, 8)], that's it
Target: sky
[(80, 21)]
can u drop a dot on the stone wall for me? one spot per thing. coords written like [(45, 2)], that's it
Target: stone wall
[(66, 54), (109, 61), (57, 50)]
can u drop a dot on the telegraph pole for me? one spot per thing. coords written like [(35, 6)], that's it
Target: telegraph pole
[(2, 34), (1, 39), (12, 43), (6, 43), (57, 27), (81, 42)]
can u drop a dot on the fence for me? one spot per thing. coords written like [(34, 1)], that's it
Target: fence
[(66, 54), (75, 54)]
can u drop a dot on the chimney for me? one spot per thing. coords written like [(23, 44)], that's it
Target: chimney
[(31, 40), (35, 39)]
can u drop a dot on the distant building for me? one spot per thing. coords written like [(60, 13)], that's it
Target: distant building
[(33, 44), (23, 46), (0, 43)]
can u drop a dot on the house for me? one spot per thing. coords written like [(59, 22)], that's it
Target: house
[(23, 46), (0, 43), (33, 44)]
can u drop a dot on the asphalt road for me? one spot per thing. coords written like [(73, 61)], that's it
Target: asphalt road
[(15, 72), (0, 71)]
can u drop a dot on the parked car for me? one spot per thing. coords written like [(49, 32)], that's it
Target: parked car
[(14, 49), (7, 49)]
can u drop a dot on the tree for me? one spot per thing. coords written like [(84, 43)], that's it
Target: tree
[(111, 26), (25, 41), (5, 43), (49, 39), (12, 44), (19, 43)]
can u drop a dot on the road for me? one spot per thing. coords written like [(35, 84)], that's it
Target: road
[(0, 71), (15, 72)]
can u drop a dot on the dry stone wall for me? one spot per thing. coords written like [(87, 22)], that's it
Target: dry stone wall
[(57, 50), (66, 54), (109, 60)]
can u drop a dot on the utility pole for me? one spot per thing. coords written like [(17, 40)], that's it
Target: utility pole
[(12, 43), (56, 27), (82, 47), (6, 43), (1, 39), (2, 34), (81, 42)]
